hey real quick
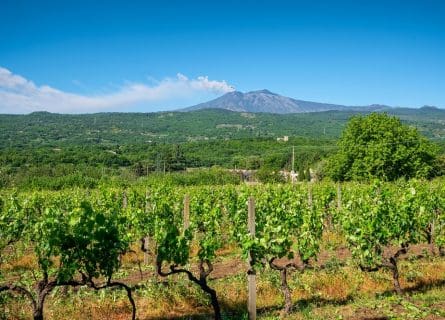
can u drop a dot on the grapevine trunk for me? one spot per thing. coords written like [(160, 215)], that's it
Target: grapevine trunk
[(286, 292)]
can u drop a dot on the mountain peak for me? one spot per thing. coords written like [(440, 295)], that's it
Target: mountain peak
[(263, 101), (233, 93), (264, 91)]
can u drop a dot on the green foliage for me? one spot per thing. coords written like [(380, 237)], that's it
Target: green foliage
[(286, 225), (90, 166), (16, 218), (430, 208), (213, 176), (47, 151), (80, 231), (86, 239), (377, 216), (86, 234), (173, 247), (301, 173), (380, 146), (206, 209), (205, 225), (267, 175), (107, 129)]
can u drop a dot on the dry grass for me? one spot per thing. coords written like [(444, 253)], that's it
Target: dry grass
[(25, 262), (332, 286), (332, 240), (268, 295), (322, 294), (432, 273), (227, 250), (78, 307)]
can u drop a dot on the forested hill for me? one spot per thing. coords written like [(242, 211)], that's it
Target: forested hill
[(42, 128)]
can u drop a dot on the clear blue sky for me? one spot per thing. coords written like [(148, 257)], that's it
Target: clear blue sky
[(345, 52)]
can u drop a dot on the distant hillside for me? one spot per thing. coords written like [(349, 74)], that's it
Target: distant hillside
[(269, 102), (43, 128)]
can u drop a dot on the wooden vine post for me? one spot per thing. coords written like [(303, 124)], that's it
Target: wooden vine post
[(251, 274), (146, 256), (186, 213), (146, 238)]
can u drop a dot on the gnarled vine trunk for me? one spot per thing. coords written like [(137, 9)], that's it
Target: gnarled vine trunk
[(395, 275), (44, 287), (201, 282), (395, 270), (391, 265), (284, 285)]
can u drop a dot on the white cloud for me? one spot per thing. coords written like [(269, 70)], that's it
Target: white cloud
[(20, 95)]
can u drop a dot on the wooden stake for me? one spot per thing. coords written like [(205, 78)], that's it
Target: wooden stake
[(251, 275), (124, 200), (339, 196), (146, 246), (186, 213), (147, 238)]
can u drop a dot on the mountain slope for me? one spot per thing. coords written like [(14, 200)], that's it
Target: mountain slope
[(108, 129), (269, 102)]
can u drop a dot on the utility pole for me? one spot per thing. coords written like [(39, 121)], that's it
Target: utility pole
[(292, 173)]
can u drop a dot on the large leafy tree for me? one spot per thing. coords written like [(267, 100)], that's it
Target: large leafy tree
[(380, 146)]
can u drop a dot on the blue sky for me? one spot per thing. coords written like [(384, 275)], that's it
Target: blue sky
[(88, 56)]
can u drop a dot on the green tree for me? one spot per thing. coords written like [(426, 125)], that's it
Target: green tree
[(268, 175), (380, 146), (301, 172)]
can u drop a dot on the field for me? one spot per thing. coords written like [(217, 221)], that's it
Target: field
[(325, 281), (336, 292)]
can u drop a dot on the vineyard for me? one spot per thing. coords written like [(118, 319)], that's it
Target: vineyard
[(127, 245)]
